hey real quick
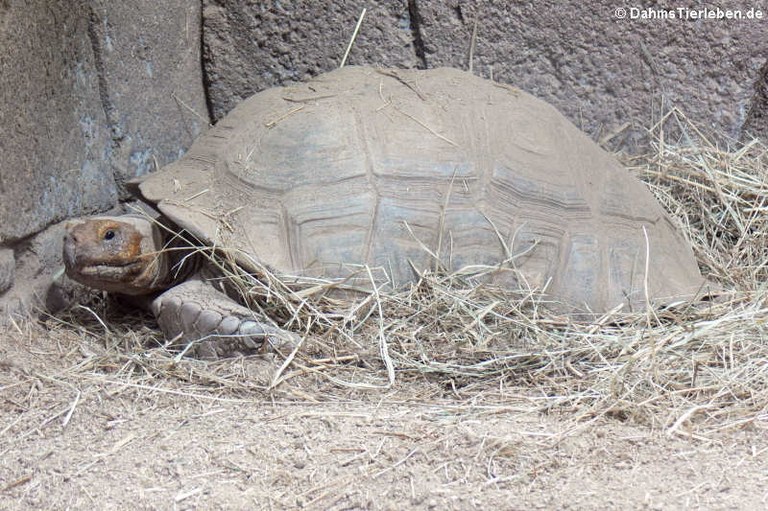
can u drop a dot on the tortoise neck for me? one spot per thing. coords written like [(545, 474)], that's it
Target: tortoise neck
[(181, 254)]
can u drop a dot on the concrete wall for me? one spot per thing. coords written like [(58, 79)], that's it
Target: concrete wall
[(613, 77), (91, 93), (94, 92)]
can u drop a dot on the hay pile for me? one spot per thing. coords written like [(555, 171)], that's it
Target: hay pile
[(692, 369)]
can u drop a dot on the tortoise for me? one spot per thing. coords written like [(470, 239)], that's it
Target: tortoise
[(390, 169)]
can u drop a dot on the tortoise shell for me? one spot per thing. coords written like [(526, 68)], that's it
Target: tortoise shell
[(397, 169)]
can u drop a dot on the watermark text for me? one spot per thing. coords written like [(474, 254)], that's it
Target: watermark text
[(688, 13)]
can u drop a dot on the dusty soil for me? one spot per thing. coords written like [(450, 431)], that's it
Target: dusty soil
[(89, 426)]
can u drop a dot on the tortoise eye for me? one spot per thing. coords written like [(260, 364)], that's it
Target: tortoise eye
[(109, 234)]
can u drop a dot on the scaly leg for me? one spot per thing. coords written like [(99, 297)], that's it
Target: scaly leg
[(215, 325)]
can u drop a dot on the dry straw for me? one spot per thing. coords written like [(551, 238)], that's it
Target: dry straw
[(691, 369)]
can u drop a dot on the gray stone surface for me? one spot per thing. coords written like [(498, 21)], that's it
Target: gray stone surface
[(147, 55), (602, 71), (37, 259), (610, 76), (92, 93), (54, 139), (251, 45), (7, 268)]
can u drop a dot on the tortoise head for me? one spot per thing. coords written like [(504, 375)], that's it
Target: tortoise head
[(122, 254)]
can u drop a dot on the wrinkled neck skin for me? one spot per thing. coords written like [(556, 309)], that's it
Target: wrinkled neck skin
[(131, 254), (181, 259)]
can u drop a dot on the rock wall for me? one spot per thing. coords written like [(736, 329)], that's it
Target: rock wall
[(91, 93), (54, 137), (613, 76), (251, 45)]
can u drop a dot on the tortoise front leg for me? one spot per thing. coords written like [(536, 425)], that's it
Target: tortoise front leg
[(214, 325)]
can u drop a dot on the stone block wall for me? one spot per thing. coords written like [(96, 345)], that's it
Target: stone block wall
[(92, 93), (613, 76)]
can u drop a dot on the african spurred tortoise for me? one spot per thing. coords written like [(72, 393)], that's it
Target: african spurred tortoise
[(391, 169)]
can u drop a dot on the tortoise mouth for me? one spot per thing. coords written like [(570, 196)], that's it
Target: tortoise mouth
[(133, 278), (107, 272), (100, 270), (78, 264)]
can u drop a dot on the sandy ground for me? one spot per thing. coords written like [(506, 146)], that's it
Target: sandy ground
[(81, 430)]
